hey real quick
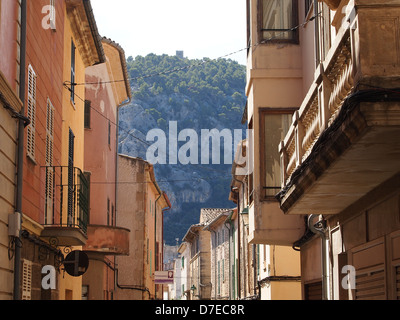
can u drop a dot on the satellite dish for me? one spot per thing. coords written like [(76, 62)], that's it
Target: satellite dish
[(76, 263)]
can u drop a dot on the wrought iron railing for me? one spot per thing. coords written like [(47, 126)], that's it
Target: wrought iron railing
[(67, 198)]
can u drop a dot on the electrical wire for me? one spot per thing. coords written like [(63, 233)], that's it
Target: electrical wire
[(68, 84), (277, 35)]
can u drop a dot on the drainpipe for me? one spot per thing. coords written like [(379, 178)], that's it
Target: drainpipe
[(320, 229), (20, 151)]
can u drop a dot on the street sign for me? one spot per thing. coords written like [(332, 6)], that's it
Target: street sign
[(164, 277), (76, 263)]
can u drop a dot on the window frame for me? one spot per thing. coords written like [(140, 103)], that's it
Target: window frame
[(295, 22), (262, 113)]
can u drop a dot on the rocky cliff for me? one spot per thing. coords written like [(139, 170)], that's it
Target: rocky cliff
[(176, 98)]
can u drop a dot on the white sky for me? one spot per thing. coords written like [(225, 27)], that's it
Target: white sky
[(207, 28)]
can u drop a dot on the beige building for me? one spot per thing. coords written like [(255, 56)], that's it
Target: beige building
[(199, 245), (265, 272), (184, 254), (220, 254), (322, 86), (141, 205)]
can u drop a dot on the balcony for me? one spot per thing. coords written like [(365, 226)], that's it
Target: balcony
[(66, 206), (343, 141), (107, 240)]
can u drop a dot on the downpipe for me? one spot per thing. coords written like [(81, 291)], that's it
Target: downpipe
[(20, 152), (319, 229)]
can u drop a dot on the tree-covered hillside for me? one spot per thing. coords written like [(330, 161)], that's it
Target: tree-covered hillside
[(196, 94)]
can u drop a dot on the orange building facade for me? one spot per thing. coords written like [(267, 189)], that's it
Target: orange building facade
[(105, 238), (46, 47)]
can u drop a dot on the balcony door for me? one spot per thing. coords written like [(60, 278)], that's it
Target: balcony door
[(71, 184)]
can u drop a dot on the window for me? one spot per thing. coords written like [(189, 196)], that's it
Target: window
[(88, 107), (219, 277), (278, 18), (112, 215), (71, 187), (88, 176), (108, 211), (275, 126), (109, 133), (31, 109), (73, 49), (85, 292)]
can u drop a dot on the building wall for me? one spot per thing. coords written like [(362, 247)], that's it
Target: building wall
[(139, 204), (100, 155), (44, 54), (45, 50), (131, 214), (8, 140), (8, 145), (273, 70), (220, 262), (370, 231), (8, 36), (185, 267), (100, 160), (279, 262)]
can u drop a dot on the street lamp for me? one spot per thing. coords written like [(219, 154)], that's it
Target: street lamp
[(193, 289)]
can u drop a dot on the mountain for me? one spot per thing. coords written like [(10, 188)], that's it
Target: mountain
[(175, 97)]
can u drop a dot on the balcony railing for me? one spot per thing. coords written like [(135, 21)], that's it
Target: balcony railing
[(333, 82), (67, 198)]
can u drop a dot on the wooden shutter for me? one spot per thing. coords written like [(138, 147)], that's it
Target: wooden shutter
[(49, 162), (71, 184), (398, 283), (31, 112), (49, 133), (370, 285), (313, 291), (27, 280)]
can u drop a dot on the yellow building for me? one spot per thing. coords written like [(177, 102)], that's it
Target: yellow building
[(82, 49)]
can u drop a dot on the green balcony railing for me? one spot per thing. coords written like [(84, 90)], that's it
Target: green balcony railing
[(66, 198)]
